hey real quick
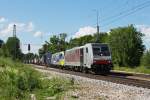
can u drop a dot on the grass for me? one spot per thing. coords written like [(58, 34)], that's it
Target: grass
[(139, 69), (18, 81)]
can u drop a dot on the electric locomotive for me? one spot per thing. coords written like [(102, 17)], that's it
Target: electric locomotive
[(94, 57)]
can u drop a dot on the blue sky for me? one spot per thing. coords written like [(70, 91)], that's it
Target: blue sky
[(37, 20)]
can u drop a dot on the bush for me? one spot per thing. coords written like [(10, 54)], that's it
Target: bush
[(18, 81), (53, 87), (145, 61)]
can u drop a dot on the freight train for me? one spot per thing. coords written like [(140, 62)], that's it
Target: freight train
[(94, 57)]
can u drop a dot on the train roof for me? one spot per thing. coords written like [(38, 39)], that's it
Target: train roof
[(96, 43), (86, 45)]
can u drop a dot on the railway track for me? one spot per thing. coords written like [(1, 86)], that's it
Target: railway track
[(115, 77)]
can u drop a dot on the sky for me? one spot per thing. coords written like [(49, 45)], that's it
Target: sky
[(37, 20)]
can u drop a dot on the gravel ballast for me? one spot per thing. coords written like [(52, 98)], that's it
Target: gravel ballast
[(92, 89)]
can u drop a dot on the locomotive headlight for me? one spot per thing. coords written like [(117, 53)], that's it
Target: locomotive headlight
[(109, 61)]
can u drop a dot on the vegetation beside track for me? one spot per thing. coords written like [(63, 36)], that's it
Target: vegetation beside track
[(19, 81), (140, 69)]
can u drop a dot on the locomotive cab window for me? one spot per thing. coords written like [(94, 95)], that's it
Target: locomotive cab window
[(96, 51), (105, 51), (102, 50), (86, 50)]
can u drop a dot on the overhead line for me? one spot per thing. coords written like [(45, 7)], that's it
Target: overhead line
[(107, 18), (128, 13)]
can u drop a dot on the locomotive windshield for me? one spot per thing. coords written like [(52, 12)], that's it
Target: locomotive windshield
[(101, 50)]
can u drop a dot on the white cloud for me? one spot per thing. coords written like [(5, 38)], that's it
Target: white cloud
[(145, 29), (20, 27), (37, 34), (7, 30), (2, 19), (88, 30), (30, 27)]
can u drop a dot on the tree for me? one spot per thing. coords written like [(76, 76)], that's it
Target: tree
[(62, 41), (146, 59), (56, 43), (1, 43), (101, 38), (13, 47), (43, 50), (1, 51), (127, 46), (4, 51)]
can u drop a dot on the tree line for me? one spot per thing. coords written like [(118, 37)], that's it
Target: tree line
[(11, 48), (126, 46)]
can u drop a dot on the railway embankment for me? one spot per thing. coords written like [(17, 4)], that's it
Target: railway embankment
[(21, 82), (93, 89)]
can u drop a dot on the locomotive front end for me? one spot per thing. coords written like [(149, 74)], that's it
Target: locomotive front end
[(102, 61)]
